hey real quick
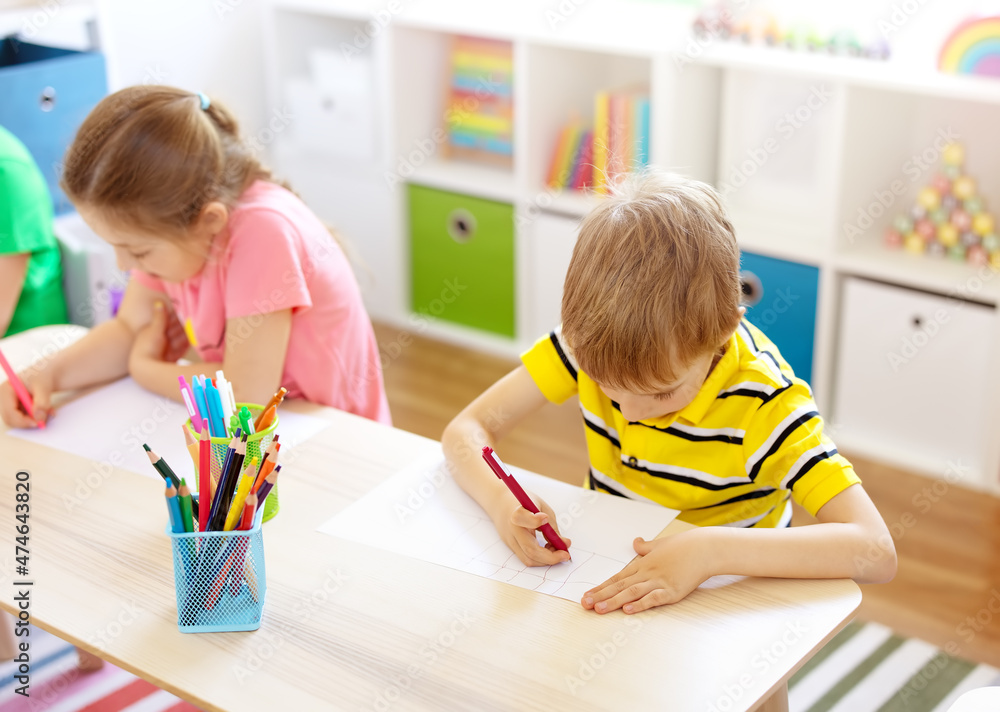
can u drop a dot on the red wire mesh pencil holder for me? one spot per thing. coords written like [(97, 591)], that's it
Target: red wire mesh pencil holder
[(220, 579), (256, 445)]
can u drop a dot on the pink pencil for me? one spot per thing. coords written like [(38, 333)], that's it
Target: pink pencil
[(20, 390)]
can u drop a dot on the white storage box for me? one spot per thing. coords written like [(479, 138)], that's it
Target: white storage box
[(333, 110), (910, 378), (93, 283), (780, 152), (553, 238)]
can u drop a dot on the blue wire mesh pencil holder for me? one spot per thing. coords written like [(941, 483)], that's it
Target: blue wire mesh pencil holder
[(220, 579)]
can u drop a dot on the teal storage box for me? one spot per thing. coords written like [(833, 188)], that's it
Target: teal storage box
[(47, 93), (781, 300), (462, 259)]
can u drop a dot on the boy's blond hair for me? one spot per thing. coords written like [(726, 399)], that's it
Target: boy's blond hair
[(653, 283)]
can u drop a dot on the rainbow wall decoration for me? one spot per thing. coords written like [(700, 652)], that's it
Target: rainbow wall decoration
[(973, 48)]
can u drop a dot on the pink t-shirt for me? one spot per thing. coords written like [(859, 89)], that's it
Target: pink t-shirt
[(280, 256)]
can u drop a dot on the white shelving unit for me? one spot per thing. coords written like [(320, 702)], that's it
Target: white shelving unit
[(709, 116)]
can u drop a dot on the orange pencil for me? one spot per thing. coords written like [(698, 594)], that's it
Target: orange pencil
[(267, 468), (275, 401), (269, 483)]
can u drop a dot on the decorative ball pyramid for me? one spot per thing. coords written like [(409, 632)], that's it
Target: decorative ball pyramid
[(950, 218)]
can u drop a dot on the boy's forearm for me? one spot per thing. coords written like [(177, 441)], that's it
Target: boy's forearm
[(462, 442), (826, 550)]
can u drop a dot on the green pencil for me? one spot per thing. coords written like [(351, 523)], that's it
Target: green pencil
[(184, 498), (162, 467)]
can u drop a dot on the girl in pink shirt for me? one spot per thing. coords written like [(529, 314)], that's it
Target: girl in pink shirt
[(222, 258)]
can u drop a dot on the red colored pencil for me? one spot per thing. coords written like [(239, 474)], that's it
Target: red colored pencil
[(249, 510)]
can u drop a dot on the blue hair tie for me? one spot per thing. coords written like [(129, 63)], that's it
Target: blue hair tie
[(205, 102)]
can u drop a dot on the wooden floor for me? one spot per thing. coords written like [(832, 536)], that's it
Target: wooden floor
[(947, 537)]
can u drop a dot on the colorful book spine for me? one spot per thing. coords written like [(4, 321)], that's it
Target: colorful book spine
[(583, 172), (559, 158), (617, 121), (641, 131), (601, 141)]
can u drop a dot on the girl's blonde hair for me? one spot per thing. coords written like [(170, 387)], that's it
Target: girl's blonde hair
[(152, 157), (653, 282)]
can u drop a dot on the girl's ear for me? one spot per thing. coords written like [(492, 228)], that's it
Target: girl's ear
[(212, 219), (743, 310)]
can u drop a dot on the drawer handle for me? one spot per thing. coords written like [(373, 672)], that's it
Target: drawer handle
[(753, 290), (47, 100), (461, 225), (917, 321)]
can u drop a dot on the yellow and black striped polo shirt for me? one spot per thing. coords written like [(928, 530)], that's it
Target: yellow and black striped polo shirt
[(750, 439)]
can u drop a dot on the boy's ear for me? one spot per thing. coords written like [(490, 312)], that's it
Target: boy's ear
[(743, 310)]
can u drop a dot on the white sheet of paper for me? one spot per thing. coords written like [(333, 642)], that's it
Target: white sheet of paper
[(111, 424), (421, 512)]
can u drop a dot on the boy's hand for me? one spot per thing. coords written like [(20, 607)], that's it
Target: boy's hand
[(40, 387), (516, 526), (666, 571), (162, 339)]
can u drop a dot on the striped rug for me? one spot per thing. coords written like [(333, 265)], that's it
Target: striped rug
[(867, 668), (58, 686)]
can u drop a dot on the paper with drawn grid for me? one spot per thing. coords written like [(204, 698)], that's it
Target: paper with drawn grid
[(421, 512)]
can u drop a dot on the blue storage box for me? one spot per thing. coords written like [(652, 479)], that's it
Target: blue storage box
[(47, 93), (781, 300)]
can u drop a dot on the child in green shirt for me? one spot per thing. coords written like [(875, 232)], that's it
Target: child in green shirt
[(31, 290)]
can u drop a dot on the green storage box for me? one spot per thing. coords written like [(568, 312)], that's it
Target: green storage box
[(462, 259)]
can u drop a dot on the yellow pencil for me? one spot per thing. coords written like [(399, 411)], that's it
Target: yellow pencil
[(239, 499), (192, 444)]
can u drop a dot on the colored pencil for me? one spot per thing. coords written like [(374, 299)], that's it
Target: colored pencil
[(184, 500), (174, 510), (161, 466), (204, 479), (218, 496), (249, 511), (268, 485), (227, 483), (240, 498), (267, 467)]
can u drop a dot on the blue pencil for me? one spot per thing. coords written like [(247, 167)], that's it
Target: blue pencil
[(174, 510)]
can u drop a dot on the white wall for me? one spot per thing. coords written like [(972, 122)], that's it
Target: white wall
[(212, 46)]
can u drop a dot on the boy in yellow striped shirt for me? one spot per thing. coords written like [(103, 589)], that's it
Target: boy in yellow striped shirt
[(685, 404)]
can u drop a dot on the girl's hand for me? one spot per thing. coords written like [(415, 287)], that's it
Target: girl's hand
[(40, 386), (666, 571), (162, 339), (516, 526)]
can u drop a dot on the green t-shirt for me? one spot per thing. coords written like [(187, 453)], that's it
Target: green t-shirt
[(26, 226)]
